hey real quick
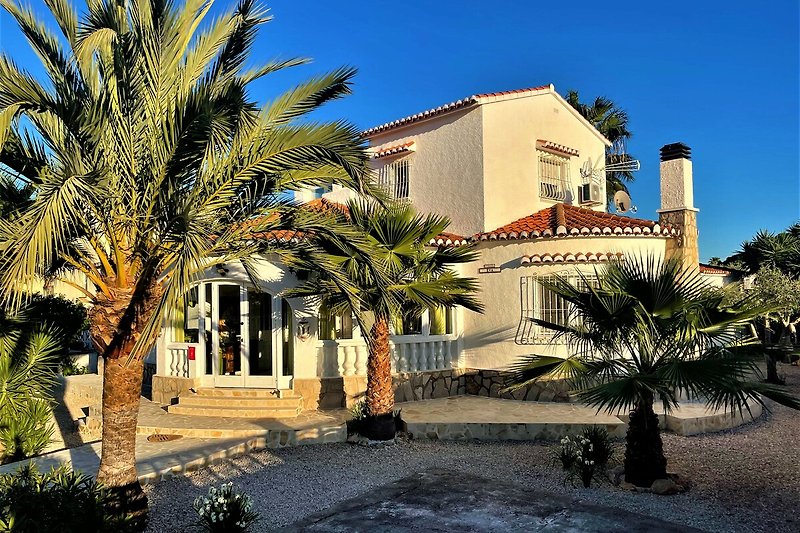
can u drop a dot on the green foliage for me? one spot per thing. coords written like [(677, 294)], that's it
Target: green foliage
[(59, 500), (27, 431), (586, 456), (28, 366), (150, 157), (225, 510), (69, 368), (780, 251), (67, 316), (650, 330), (379, 261), (612, 122), (359, 410)]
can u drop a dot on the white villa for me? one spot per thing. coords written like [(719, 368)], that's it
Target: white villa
[(519, 172)]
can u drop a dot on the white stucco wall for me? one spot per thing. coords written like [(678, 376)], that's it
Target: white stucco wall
[(511, 128), (447, 166), (489, 337)]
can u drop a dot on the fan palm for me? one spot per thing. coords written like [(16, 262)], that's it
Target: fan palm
[(151, 162), (612, 123), (389, 274), (646, 332)]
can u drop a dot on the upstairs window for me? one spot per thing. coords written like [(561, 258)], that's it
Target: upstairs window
[(394, 177), (554, 181)]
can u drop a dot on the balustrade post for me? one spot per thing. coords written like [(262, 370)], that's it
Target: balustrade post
[(339, 359), (439, 348), (413, 362), (349, 361)]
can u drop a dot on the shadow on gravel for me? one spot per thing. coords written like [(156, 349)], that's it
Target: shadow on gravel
[(444, 500)]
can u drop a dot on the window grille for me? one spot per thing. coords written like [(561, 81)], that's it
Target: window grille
[(539, 302), (394, 176), (554, 176)]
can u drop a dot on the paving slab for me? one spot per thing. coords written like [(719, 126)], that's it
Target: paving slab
[(439, 500), (154, 460), (482, 418)]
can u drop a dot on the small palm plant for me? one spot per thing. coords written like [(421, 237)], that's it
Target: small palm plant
[(647, 331), (28, 366), (385, 271)]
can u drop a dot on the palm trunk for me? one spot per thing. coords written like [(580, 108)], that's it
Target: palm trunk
[(122, 387), (644, 452), (380, 395), (116, 325)]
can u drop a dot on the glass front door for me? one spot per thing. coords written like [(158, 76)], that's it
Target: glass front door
[(240, 338)]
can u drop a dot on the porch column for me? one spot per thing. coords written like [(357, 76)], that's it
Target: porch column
[(277, 343)]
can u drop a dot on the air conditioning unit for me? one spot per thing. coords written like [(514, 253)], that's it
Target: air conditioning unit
[(590, 193)]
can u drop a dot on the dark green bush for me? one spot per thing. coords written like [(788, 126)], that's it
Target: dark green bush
[(68, 317), (60, 500)]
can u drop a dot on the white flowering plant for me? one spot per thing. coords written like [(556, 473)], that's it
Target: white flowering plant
[(225, 510), (586, 456)]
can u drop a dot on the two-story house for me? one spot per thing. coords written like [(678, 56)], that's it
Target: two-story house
[(521, 174)]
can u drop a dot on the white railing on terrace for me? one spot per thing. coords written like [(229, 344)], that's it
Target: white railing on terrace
[(177, 359), (409, 353)]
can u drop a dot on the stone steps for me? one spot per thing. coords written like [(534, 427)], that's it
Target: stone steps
[(239, 403), (235, 412), (247, 393)]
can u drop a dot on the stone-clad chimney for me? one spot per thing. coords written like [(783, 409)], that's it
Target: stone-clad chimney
[(677, 203)]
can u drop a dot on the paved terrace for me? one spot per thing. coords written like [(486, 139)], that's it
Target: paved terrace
[(205, 440)]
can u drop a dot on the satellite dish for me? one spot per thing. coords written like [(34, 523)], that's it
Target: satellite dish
[(622, 201)]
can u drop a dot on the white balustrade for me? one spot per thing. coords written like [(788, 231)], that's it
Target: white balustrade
[(177, 359), (408, 353)]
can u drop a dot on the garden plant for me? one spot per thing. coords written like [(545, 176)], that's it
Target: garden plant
[(646, 332)]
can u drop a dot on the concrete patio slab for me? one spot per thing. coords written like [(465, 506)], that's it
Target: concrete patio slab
[(477, 417), (444, 500)]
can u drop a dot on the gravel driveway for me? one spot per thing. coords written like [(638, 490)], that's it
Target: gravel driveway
[(746, 479)]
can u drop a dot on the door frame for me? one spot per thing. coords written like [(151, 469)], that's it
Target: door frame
[(212, 377)]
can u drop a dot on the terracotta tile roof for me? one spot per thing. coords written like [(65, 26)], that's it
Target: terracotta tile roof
[(318, 205), (559, 148), (563, 220), (570, 257), (393, 150), (448, 239), (717, 270), (452, 106)]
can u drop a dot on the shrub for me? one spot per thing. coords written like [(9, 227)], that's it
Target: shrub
[(27, 432), (68, 316), (27, 373), (359, 410), (586, 456), (60, 500), (225, 510)]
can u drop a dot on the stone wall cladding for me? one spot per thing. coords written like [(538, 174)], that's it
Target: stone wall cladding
[(333, 393), (489, 383), (168, 388)]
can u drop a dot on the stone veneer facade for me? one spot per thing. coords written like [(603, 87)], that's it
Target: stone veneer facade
[(332, 393)]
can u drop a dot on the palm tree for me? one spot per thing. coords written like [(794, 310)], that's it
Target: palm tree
[(612, 122), (389, 274), (151, 163), (648, 331), (776, 250)]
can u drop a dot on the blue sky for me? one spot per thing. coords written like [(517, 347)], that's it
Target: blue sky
[(723, 77)]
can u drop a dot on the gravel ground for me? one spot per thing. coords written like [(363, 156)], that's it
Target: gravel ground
[(746, 479)]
